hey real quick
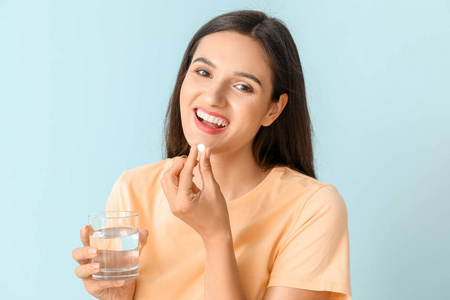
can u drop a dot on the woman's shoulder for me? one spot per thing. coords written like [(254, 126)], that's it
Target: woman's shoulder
[(146, 173), (287, 176), (308, 188)]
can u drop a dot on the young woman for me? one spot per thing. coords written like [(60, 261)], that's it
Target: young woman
[(245, 219)]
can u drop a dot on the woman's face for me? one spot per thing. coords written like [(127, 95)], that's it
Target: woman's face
[(226, 95)]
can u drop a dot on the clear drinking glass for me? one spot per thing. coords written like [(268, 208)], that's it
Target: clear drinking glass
[(116, 236)]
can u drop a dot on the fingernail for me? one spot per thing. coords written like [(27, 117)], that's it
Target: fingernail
[(92, 251), (96, 266)]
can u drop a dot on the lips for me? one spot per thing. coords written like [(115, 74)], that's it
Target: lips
[(210, 122)]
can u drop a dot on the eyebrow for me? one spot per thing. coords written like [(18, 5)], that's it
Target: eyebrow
[(242, 74)]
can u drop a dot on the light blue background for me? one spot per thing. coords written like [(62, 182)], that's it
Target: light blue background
[(83, 91)]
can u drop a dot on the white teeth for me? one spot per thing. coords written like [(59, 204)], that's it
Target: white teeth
[(211, 119)]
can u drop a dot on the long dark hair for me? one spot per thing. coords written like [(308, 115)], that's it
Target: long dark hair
[(287, 141)]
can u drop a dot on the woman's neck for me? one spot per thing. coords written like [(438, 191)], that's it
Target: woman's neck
[(237, 174)]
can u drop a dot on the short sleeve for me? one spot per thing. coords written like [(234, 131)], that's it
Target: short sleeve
[(315, 251)]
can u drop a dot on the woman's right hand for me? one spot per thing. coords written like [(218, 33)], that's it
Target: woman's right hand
[(105, 290)]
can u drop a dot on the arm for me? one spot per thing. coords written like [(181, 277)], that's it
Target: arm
[(207, 213), (222, 276), (222, 280)]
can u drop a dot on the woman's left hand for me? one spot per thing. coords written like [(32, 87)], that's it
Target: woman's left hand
[(204, 210)]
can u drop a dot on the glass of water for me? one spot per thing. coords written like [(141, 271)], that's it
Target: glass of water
[(116, 236)]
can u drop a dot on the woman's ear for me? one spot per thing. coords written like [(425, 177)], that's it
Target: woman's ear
[(275, 110)]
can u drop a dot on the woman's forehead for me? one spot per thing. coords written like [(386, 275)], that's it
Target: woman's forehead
[(228, 49)]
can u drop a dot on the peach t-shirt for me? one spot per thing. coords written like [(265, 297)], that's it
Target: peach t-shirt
[(291, 230)]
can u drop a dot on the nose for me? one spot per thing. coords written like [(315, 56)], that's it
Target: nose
[(215, 94)]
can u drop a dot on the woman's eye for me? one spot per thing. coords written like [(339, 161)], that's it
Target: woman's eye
[(203, 73), (244, 88)]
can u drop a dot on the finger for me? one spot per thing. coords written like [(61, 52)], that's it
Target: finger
[(181, 157), (84, 234), (170, 179), (84, 255), (195, 188), (187, 173), (101, 285), (166, 191), (206, 170), (87, 270), (171, 176), (143, 235), (170, 190)]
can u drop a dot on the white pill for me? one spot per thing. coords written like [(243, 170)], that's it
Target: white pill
[(201, 147)]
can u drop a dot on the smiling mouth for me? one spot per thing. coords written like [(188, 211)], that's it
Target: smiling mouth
[(210, 121)]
